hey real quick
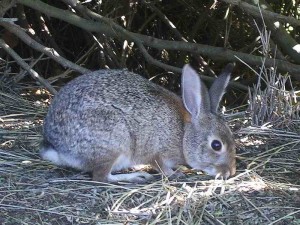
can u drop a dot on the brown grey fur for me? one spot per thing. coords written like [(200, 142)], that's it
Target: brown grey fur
[(107, 114)]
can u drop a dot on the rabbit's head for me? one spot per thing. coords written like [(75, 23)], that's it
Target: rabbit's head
[(208, 143)]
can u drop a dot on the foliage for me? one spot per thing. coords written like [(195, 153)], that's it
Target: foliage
[(148, 37)]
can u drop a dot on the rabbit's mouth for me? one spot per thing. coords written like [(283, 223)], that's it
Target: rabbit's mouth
[(220, 171), (217, 171)]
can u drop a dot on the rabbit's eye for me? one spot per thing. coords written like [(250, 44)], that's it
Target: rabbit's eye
[(216, 145)]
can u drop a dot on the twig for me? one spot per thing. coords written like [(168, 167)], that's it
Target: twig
[(210, 216), (217, 53), (117, 28), (37, 46), (254, 206), (165, 19), (47, 34), (5, 5), (22, 74), (129, 35), (281, 218), (279, 34), (254, 11), (11, 20), (107, 49), (65, 74), (26, 67)]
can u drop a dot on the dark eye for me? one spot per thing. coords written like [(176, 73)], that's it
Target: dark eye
[(216, 145)]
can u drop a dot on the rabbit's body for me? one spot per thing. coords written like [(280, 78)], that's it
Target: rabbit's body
[(110, 120)]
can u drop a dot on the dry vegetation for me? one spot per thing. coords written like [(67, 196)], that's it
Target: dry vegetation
[(266, 188), (264, 191)]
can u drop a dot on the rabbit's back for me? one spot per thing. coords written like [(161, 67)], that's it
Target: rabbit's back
[(113, 111)]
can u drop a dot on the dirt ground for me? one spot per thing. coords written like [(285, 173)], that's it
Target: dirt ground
[(265, 189)]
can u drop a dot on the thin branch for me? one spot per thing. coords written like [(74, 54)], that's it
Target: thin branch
[(20, 33), (216, 53), (165, 19), (254, 11), (177, 34), (45, 32), (5, 5), (255, 207), (23, 73), (279, 33), (26, 67), (129, 35)]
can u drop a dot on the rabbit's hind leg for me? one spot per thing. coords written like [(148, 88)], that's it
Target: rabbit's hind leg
[(136, 177), (103, 171)]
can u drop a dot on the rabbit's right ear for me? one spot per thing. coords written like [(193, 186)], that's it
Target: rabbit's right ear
[(194, 93), (217, 90)]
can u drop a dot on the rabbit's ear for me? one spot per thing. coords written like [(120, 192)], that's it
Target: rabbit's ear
[(194, 93), (217, 90)]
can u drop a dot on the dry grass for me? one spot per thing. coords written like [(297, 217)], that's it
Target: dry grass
[(264, 191), (270, 101)]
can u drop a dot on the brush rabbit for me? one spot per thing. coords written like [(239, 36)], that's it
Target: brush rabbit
[(111, 120)]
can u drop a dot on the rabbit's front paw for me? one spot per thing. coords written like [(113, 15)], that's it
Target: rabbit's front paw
[(176, 175), (141, 178), (136, 177)]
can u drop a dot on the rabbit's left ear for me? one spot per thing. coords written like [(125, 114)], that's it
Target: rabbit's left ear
[(217, 90), (194, 93)]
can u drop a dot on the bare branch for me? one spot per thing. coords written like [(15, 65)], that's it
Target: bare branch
[(19, 32), (216, 53), (131, 36), (254, 11), (6, 5), (165, 19), (26, 67), (279, 34)]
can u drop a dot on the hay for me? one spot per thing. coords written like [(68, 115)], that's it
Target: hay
[(264, 191)]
